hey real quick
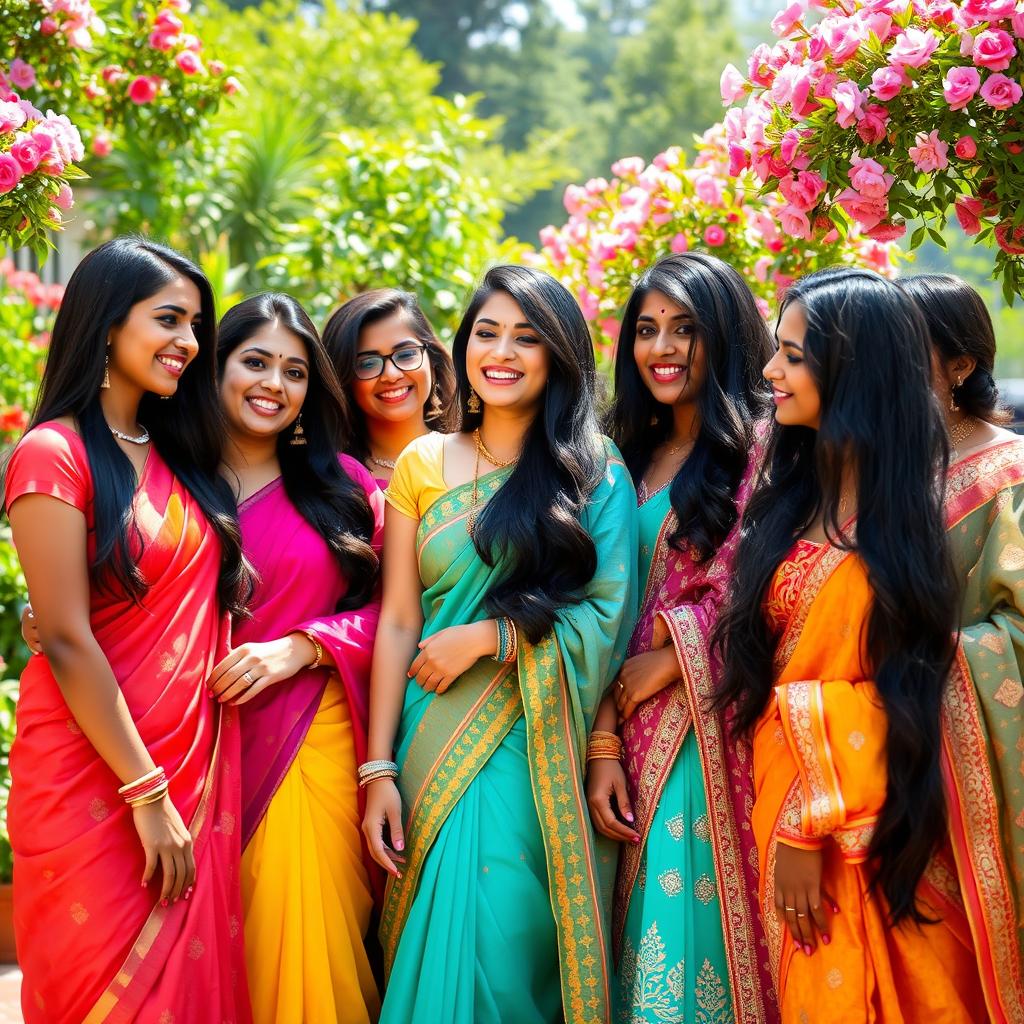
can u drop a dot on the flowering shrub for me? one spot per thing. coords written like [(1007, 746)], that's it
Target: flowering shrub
[(884, 112), (617, 227), (138, 68)]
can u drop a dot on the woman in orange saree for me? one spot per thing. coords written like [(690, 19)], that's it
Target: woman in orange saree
[(838, 644), (127, 912)]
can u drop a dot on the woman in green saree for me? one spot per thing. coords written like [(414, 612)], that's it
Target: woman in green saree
[(509, 594)]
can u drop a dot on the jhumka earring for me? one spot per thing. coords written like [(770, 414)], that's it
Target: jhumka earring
[(953, 407), (106, 369), (473, 404), (435, 408), (298, 434)]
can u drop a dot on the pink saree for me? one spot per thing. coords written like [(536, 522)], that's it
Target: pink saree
[(93, 944), (686, 595), (300, 584)]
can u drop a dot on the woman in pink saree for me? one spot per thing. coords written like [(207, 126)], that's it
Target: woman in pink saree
[(127, 912)]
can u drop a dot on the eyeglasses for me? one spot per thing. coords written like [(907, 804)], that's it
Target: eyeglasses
[(370, 365)]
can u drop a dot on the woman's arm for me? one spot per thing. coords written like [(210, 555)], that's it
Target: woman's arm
[(50, 538)]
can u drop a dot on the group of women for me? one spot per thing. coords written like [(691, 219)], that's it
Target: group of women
[(713, 719)]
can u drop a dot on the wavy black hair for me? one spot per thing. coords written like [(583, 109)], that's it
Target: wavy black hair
[(533, 521), (341, 336), (868, 351), (328, 499), (186, 429), (736, 346), (960, 325)]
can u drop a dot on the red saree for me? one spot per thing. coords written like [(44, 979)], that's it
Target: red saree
[(92, 943)]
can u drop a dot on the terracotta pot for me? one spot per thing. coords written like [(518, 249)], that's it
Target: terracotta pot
[(7, 952)]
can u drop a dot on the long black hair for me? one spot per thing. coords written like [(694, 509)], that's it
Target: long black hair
[(341, 336), (736, 346), (186, 429), (328, 499), (867, 349), (959, 325), (533, 521)]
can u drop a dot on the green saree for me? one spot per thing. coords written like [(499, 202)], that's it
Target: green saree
[(499, 914)]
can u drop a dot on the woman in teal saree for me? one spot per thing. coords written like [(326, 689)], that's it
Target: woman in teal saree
[(509, 590)]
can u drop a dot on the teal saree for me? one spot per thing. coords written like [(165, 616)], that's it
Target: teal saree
[(499, 915)]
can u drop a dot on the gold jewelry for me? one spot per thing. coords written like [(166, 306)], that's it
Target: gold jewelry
[(473, 402), (435, 408), (960, 431), (317, 646), (383, 463), (154, 773), (482, 449), (800, 915), (247, 676), (953, 407), (298, 434), (106, 369), (604, 746), (790, 909), (151, 798)]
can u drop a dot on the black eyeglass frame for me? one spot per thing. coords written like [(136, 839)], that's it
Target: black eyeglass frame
[(421, 347)]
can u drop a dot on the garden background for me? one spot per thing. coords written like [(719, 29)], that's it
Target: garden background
[(323, 148)]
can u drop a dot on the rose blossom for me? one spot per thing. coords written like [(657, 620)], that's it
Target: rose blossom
[(975, 12), (163, 41), (849, 103), (714, 235), (102, 144), (679, 243), (966, 148), (65, 198), (959, 86), (1017, 24), (867, 211), (143, 89), (167, 21), (628, 167), (886, 82), (48, 26), (588, 302), (887, 232), (732, 85), (23, 76), (794, 222), (803, 189), (868, 177), (994, 49), (930, 152), (913, 48), (760, 71), (707, 189), (189, 63), (783, 22), (216, 67), (739, 159), (10, 172), (968, 213), (1010, 239), (872, 127), (232, 85), (1001, 92), (28, 151), (11, 116)]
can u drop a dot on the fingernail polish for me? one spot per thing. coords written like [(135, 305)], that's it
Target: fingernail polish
[(826, 939), (629, 817), (163, 902), (807, 948), (188, 894), (399, 844), (635, 840), (835, 907)]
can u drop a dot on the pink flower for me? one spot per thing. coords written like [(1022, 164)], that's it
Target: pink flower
[(872, 127), (842, 37), (610, 326), (628, 167), (232, 85), (826, 86), (679, 243), (10, 172), (163, 41), (588, 302), (216, 67), (733, 85), (168, 21), (670, 158), (930, 152), (761, 268), (28, 151), (23, 76), (762, 307), (77, 34), (189, 63), (968, 213), (994, 49), (802, 190), (181, 6), (94, 91), (1001, 92), (1017, 24), (867, 211), (886, 82), (789, 145), (65, 198), (739, 159), (959, 86), (966, 148), (784, 21), (187, 41), (1010, 239), (714, 235), (102, 144), (48, 26), (11, 116), (868, 177), (708, 190), (974, 12), (761, 71), (794, 222), (913, 48), (849, 103), (887, 232), (113, 73), (942, 12), (573, 199), (143, 89)]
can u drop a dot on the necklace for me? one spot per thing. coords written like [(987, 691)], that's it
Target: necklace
[(143, 438), (383, 463), (959, 432), (481, 449)]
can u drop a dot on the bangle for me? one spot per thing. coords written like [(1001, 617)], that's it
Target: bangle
[(153, 782), (508, 640), (604, 746), (370, 771), (149, 798), (142, 780), (317, 646)]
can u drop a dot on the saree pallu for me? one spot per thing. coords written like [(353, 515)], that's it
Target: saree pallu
[(687, 930), (820, 779), (498, 915), (306, 884), (982, 737), (93, 944)]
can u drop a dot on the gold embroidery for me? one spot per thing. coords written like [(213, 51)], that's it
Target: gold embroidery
[(676, 826), (855, 839), (196, 948), (98, 809), (834, 978), (704, 889), (712, 1001), (646, 986), (78, 913), (1012, 558), (856, 739), (993, 642), (702, 828), (671, 882), (1009, 693)]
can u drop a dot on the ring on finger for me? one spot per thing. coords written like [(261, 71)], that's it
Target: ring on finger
[(789, 910), (247, 676), (800, 915)]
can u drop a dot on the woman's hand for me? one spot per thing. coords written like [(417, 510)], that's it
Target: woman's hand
[(642, 676), (446, 654), (608, 800), (248, 670), (30, 631), (384, 812), (167, 842), (799, 897)]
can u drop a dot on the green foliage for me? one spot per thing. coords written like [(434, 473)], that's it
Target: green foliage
[(8, 703)]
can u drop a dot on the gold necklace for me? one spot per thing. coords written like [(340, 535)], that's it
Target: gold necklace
[(959, 432), (482, 449), (383, 463)]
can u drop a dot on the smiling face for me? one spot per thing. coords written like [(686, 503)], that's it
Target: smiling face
[(506, 360), (264, 382), (151, 349), (794, 390), (668, 352), (397, 394)]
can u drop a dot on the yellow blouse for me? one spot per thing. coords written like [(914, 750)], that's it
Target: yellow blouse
[(418, 479)]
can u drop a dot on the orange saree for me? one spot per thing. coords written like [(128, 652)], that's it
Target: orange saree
[(93, 944), (820, 782)]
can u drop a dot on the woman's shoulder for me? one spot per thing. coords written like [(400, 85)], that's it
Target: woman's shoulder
[(426, 451), (53, 439)]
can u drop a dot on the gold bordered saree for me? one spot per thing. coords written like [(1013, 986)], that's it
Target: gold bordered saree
[(498, 915)]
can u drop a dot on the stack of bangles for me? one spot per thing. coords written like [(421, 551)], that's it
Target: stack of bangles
[(146, 789), (508, 641), (317, 647), (604, 746), (371, 771)]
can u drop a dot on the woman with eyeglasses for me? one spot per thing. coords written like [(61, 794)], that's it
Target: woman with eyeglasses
[(397, 374)]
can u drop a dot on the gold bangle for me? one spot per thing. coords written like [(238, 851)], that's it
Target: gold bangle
[(153, 773), (152, 798), (317, 646), (596, 755), (601, 734)]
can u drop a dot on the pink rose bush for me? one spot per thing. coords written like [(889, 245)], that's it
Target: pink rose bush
[(644, 212), (908, 112)]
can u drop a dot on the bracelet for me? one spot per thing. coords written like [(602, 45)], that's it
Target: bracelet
[(150, 798), (371, 770), (152, 784), (317, 646), (604, 746), (142, 780), (508, 641), (385, 773)]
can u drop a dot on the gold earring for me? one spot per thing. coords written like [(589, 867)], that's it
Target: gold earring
[(435, 408), (106, 369), (298, 434), (953, 407), (473, 404)]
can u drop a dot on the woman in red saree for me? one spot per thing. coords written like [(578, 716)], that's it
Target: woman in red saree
[(127, 913), (838, 642)]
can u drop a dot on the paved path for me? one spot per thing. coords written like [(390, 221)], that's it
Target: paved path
[(10, 986)]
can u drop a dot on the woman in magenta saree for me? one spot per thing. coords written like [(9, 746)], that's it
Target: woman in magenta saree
[(130, 644)]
